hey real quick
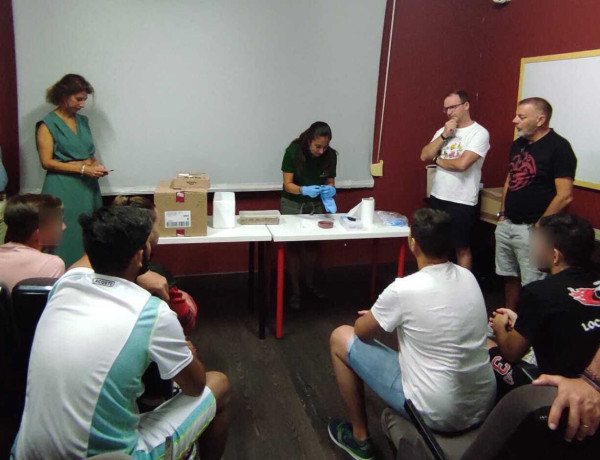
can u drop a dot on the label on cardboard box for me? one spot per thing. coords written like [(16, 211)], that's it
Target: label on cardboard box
[(178, 219)]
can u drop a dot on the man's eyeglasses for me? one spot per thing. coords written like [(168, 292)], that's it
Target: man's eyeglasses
[(452, 107)]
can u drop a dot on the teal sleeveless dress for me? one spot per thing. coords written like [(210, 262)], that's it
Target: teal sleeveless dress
[(79, 194)]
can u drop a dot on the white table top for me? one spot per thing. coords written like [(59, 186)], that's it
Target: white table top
[(238, 234), (305, 228)]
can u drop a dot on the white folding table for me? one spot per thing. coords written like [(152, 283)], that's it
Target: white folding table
[(303, 227)]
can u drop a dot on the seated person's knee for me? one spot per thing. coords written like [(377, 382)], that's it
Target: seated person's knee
[(341, 336), (220, 387)]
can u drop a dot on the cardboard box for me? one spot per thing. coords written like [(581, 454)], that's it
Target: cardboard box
[(191, 180), (181, 212), (491, 201)]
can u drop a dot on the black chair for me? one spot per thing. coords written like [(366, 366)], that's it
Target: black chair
[(9, 340), (515, 429), (29, 300), (12, 384)]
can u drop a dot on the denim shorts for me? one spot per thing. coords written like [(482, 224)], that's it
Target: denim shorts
[(378, 366), (512, 252)]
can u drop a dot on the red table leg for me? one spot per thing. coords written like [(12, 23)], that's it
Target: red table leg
[(280, 279), (401, 258)]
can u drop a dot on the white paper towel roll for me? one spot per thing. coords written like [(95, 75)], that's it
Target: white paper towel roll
[(367, 210)]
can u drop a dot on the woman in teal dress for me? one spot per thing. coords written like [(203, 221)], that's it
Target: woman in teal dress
[(66, 150)]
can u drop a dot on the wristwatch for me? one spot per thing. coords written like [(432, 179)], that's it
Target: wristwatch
[(500, 214), (443, 138)]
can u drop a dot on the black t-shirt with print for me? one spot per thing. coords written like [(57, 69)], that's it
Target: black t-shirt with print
[(532, 170), (560, 317)]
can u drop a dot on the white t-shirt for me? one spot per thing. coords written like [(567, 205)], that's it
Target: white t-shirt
[(441, 321), (461, 186), (93, 343)]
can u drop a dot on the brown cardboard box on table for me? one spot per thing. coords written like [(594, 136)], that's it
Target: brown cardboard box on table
[(181, 212)]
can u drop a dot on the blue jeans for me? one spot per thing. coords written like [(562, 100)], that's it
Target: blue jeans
[(378, 366)]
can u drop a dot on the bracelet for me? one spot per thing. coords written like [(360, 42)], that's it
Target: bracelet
[(443, 138), (82, 170), (589, 379), (435, 159)]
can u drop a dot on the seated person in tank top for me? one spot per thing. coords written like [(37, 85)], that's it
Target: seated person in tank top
[(35, 223)]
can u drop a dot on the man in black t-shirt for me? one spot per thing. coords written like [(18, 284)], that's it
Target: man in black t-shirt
[(539, 183), (560, 315)]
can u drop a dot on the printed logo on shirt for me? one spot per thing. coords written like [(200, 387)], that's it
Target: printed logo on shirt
[(325, 174), (591, 325), (103, 282), (590, 297), (522, 170), (504, 369), (453, 149)]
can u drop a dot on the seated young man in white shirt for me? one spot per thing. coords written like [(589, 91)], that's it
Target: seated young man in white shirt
[(35, 223), (94, 341), (443, 366)]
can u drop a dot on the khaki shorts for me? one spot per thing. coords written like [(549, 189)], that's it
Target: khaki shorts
[(512, 252)]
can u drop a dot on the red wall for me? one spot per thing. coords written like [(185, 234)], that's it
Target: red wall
[(526, 28), (437, 46), (9, 134)]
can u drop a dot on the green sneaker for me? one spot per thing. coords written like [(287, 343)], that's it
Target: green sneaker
[(340, 432)]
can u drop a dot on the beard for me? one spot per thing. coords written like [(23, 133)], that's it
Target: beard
[(525, 133)]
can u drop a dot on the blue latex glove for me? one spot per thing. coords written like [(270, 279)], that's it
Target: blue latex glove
[(329, 204), (312, 191), (328, 191)]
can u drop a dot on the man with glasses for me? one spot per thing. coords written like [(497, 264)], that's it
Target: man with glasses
[(458, 149), (540, 178)]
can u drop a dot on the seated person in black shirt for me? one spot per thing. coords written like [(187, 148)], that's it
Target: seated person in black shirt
[(558, 316)]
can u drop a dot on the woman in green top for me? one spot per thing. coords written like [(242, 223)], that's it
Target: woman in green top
[(309, 169), (66, 150)]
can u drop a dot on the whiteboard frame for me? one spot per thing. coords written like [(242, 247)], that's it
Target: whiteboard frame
[(558, 57)]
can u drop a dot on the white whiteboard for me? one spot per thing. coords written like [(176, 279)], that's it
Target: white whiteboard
[(220, 86), (571, 83)]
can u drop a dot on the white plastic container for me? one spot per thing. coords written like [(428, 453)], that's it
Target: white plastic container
[(224, 210)]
